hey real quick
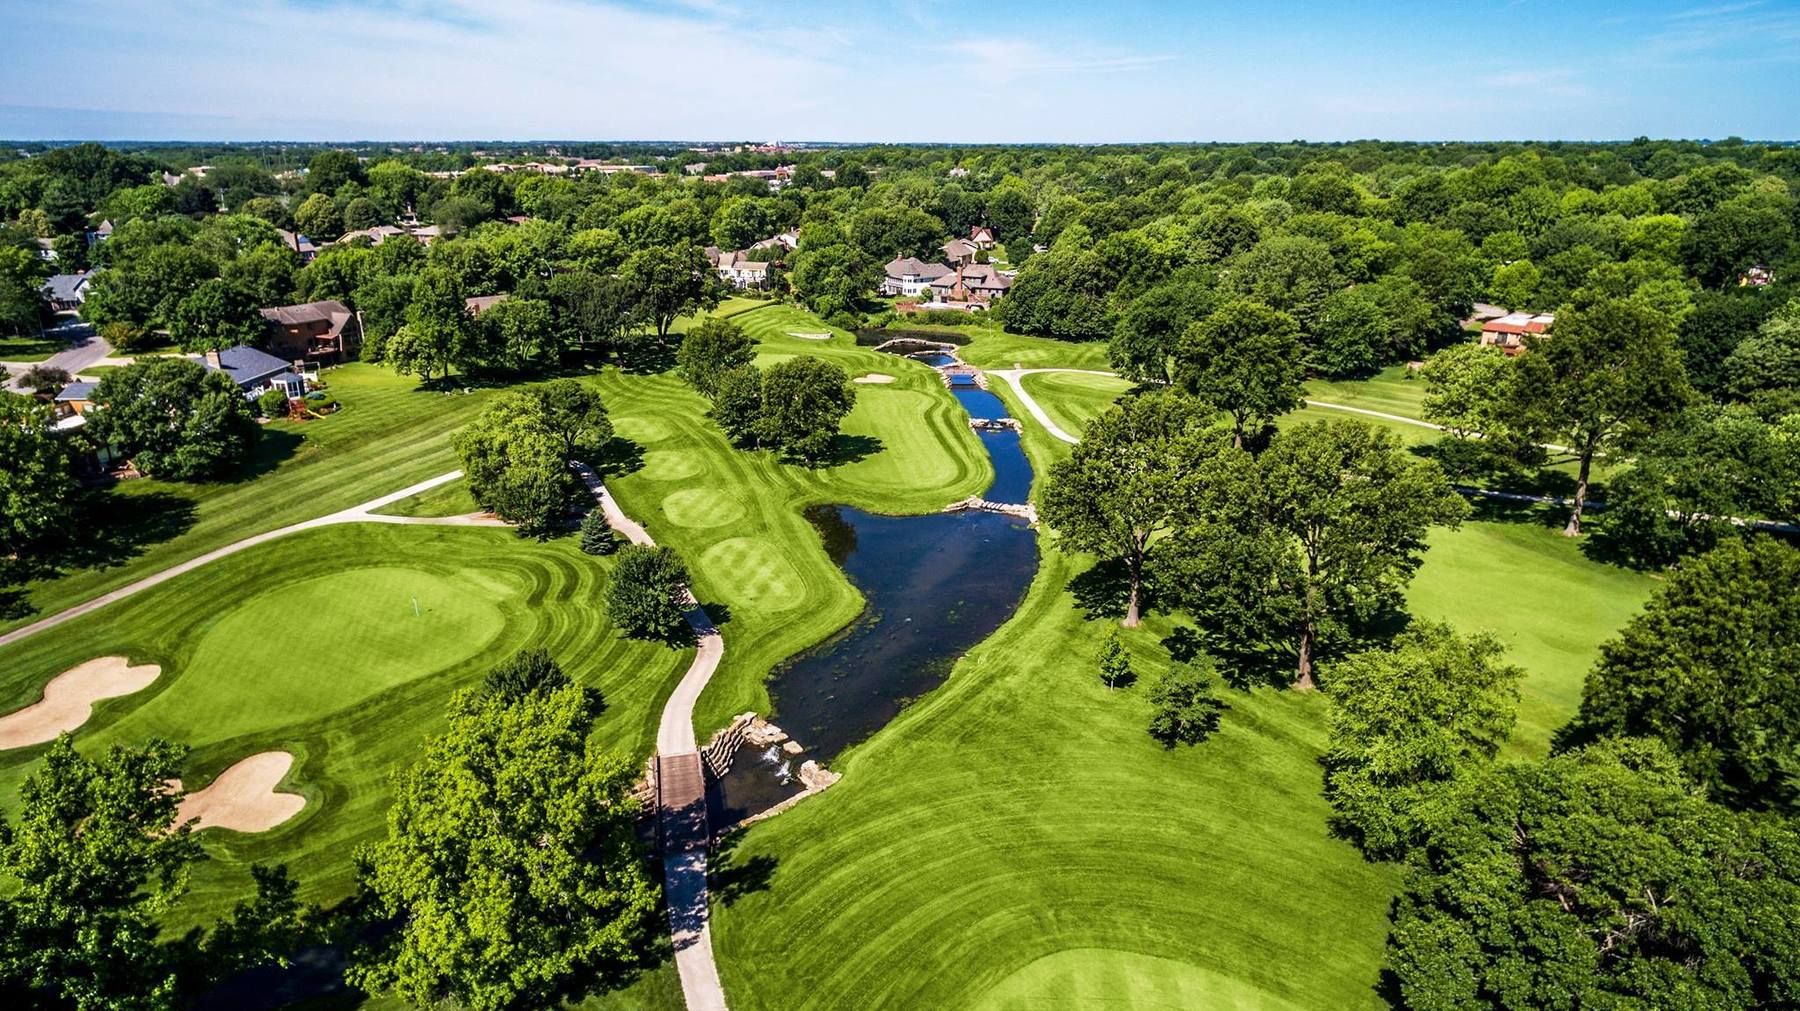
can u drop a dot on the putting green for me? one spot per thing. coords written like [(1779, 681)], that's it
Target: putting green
[(671, 464), (1105, 977), (755, 574), (640, 429), (328, 642), (702, 507)]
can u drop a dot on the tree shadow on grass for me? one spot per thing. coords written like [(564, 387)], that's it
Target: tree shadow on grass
[(730, 875), (275, 447), (717, 610), (109, 529), (847, 449), (647, 357), (617, 457), (1104, 591)]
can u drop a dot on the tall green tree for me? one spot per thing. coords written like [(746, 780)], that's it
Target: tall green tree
[(37, 492), (1707, 668), (514, 462), (667, 283), (174, 419), (804, 400), (1246, 360), (1596, 879), (95, 864), (647, 595), (711, 349), (1307, 544), (1128, 482), (1406, 721), (217, 315), (737, 403), (1608, 373), (575, 412), (511, 870)]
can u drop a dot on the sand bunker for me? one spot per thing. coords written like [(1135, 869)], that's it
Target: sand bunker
[(874, 377), (809, 336), (69, 699), (243, 798)]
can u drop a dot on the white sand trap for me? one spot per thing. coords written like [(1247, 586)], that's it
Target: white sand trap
[(874, 377), (809, 336), (69, 699), (243, 798)]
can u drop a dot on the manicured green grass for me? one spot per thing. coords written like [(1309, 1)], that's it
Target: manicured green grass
[(1021, 813), (389, 433), (1072, 399), (312, 644), (1393, 390), (995, 349), (29, 347), (1549, 603), (451, 498), (735, 515)]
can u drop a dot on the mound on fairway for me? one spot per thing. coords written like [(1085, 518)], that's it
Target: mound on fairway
[(671, 464), (761, 577), (1106, 977), (243, 797), (69, 699), (702, 507)]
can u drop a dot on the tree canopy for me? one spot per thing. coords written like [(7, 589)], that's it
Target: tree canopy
[(174, 418)]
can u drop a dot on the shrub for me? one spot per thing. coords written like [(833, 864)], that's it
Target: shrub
[(43, 379), (530, 670), (125, 336), (272, 404), (1187, 711)]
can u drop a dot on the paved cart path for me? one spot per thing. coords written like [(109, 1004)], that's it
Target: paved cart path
[(681, 790)]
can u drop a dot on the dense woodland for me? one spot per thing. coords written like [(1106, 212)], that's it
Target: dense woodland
[(1653, 860)]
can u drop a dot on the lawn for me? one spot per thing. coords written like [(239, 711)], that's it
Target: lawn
[(389, 433), (341, 646), (1072, 399), (1015, 839), (29, 347), (1394, 390), (735, 515)]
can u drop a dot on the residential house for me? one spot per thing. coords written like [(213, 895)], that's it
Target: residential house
[(911, 276), (739, 271), (302, 246), (256, 371), (46, 250), (66, 292), (95, 236), (982, 236), (72, 404), (959, 252), (979, 283), (316, 332), (1755, 277), (788, 241), (376, 235), (1508, 332)]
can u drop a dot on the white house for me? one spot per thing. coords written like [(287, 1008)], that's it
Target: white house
[(911, 276)]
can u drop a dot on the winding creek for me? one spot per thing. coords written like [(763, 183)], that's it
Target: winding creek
[(933, 585)]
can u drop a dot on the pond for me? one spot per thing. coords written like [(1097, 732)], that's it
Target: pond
[(934, 586)]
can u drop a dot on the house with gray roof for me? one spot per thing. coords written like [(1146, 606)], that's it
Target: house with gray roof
[(909, 275), (66, 292), (255, 371)]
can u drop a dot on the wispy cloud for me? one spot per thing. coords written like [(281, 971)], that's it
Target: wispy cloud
[(1542, 80), (1008, 59)]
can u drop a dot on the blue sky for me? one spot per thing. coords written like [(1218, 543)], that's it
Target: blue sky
[(998, 70)]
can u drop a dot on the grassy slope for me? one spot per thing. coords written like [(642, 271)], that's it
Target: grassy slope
[(311, 645), (1016, 838), (1072, 399), (389, 434), (29, 347), (735, 515)]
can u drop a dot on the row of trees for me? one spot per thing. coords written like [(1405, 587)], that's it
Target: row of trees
[(795, 406), (1653, 859)]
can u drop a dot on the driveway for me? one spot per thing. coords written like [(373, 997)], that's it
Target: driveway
[(85, 349)]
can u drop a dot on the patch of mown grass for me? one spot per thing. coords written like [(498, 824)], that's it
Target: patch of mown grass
[(340, 645), (389, 433)]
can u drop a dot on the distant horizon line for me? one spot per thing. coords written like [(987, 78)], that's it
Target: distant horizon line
[(638, 142)]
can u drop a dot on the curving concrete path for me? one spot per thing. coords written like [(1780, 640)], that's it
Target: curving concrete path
[(681, 795), (1015, 376), (363, 513)]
